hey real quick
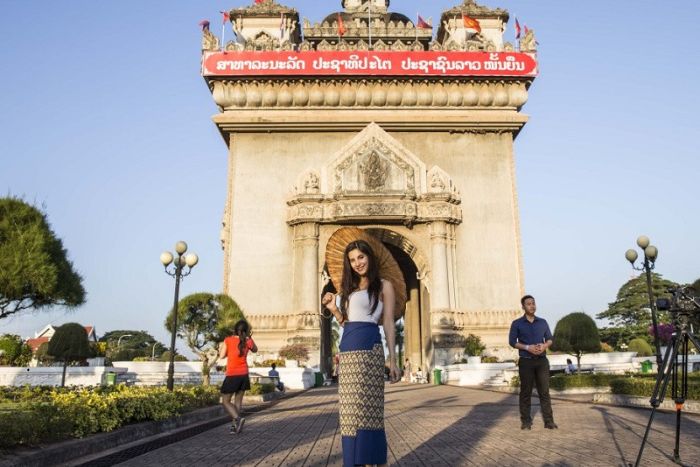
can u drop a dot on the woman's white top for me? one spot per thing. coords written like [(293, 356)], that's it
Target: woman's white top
[(359, 307)]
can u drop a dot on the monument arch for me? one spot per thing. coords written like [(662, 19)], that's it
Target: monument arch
[(384, 125)]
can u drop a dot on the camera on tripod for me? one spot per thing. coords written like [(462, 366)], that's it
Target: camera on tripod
[(682, 301)]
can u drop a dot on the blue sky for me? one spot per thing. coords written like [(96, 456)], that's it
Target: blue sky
[(106, 122)]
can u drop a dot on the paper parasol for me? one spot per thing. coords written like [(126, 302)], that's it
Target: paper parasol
[(388, 267)]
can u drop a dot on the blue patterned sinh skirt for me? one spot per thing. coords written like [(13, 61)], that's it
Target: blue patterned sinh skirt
[(361, 392)]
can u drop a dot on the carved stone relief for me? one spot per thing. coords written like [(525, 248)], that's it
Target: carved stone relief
[(375, 178)]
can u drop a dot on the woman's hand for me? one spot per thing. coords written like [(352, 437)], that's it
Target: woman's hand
[(393, 372), (328, 301)]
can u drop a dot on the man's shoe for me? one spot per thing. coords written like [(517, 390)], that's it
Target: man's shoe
[(239, 425), (551, 426), (232, 429), (526, 426)]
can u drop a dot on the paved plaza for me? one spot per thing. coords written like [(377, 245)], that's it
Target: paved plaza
[(439, 425)]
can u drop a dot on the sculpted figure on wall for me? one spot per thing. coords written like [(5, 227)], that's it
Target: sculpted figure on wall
[(209, 41), (374, 171), (528, 42)]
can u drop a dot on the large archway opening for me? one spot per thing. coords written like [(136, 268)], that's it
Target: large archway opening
[(413, 341)]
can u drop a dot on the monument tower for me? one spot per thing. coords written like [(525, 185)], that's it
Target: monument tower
[(372, 119)]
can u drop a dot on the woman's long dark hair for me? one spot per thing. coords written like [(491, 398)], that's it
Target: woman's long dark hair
[(351, 280), (241, 329)]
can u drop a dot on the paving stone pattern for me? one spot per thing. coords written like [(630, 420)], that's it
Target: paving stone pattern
[(436, 426)]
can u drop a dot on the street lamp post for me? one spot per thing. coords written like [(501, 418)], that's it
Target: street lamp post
[(119, 341), (153, 352), (178, 271), (650, 255)]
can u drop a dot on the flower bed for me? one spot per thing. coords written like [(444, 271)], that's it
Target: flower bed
[(35, 415)]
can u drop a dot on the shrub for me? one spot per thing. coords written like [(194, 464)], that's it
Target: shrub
[(591, 380), (605, 347), (277, 361), (47, 414), (298, 352), (257, 389), (643, 387), (640, 346), (665, 332), (489, 359), (473, 346), (165, 357)]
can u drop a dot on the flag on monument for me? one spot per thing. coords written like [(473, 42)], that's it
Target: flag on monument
[(517, 29), (259, 1), (225, 16), (281, 27), (471, 23), (341, 26), (422, 24)]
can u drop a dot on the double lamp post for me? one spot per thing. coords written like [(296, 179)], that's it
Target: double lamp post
[(650, 255), (181, 266)]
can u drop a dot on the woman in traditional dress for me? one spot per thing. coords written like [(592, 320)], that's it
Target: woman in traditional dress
[(235, 348), (365, 299)]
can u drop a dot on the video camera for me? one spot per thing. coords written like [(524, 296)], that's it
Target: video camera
[(682, 301)]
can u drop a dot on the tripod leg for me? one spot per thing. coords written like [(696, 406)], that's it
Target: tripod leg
[(680, 394), (657, 396)]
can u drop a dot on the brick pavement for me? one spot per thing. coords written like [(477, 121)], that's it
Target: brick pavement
[(439, 425)]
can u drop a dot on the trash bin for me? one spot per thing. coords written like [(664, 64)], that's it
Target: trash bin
[(437, 376), (110, 378), (646, 366), (319, 379)]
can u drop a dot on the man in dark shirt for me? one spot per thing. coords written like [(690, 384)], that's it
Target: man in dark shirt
[(531, 336)]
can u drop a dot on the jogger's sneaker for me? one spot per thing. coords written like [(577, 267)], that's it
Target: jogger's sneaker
[(232, 429), (239, 424)]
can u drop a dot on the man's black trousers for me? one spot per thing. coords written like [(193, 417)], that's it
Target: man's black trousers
[(534, 371)]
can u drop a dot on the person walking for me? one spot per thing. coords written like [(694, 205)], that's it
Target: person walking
[(235, 349), (531, 336), (365, 300)]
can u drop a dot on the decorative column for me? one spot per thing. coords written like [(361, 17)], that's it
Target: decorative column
[(440, 294), (305, 282)]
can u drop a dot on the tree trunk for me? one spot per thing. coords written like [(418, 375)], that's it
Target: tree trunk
[(63, 379), (578, 362)]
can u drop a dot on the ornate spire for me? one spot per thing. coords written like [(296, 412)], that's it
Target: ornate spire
[(264, 8), (473, 9), (354, 6)]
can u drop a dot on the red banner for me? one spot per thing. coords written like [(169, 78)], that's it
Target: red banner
[(352, 63)]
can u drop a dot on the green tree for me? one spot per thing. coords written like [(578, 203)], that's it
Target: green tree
[(576, 334), (14, 351), (34, 269), (137, 344), (630, 310), (204, 320), (69, 344)]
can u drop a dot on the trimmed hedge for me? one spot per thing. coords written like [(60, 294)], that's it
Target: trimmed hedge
[(586, 380), (35, 415), (645, 386)]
